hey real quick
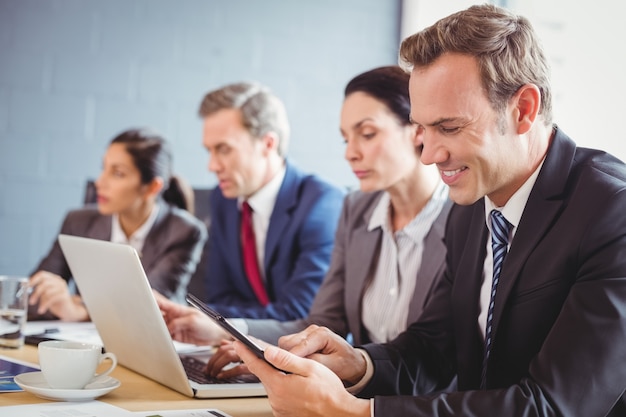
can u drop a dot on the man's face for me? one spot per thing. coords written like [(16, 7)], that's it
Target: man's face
[(474, 147), (238, 160)]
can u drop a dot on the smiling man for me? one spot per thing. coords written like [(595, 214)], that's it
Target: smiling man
[(530, 315)]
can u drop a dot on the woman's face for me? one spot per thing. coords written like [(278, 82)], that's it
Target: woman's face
[(380, 150), (119, 185)]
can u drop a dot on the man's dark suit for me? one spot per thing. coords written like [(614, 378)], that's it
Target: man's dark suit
[(559, 346), (169, 256), (298, 247)]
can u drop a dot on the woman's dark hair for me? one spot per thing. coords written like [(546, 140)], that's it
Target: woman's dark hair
[(152, 156), (389, 85)]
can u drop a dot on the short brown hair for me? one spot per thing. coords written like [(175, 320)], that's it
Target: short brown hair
[(505, 45)]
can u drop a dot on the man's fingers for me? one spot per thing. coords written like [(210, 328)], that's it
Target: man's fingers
[(224, 355), (233, 372), (280, 358)]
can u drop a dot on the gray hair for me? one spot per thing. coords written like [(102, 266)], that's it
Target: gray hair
[(261, 111)]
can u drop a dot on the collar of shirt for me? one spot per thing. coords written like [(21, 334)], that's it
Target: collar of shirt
[(514, 208), (512, 212), (262, 203), (263, 200), (138, 238), (381, 218)]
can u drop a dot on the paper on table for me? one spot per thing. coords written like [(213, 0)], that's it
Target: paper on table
[(66, 409), (86, 332), (200, 412)]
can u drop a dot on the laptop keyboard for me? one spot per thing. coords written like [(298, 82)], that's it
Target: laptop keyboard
[(194, 369)]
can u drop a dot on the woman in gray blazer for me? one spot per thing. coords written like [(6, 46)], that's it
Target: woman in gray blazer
[(140, 203), (388, 247)]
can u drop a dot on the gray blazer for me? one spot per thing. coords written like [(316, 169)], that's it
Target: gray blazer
[(170, 253), (338, 303)]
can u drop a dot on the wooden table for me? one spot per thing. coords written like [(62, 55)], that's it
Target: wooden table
[(138, 393)]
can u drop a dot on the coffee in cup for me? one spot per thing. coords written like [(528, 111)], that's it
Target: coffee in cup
[(72, 365)]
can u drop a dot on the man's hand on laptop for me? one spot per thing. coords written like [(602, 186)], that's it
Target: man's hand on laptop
[(225, 363), (188, 325)]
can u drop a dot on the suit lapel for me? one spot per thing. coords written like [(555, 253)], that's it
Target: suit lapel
[(466, 294), (542, 207), (100, 228), (151, 247), (286, 201), (432, 259), (364, 248), (232, 241)]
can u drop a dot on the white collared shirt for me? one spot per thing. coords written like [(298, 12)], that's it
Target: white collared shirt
[(388, 296), (138, 238), (262, 203), (512, 212)]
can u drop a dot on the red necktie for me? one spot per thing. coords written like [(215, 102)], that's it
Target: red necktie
[(250, 263)]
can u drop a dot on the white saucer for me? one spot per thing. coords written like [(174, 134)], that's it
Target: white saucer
[(35, 383)]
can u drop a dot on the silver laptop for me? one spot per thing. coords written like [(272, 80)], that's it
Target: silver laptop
[(116, 291)]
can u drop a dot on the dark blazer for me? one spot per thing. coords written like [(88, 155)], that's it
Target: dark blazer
[(339, 303), (298, 246), (559, 339), (169, 256)]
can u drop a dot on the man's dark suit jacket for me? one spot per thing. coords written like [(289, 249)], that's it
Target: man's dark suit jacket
[(169, 256), (298, 247), (559, 341)]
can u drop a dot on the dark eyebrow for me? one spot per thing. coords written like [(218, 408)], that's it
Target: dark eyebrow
[(444, 120), (436, 122)]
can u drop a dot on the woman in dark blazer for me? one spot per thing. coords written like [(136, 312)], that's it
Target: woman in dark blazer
[(140, 203)]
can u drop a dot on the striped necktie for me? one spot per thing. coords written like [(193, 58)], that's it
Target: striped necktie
[(500, 230)]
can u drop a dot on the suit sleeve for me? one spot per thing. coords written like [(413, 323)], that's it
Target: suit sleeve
[(55, 262)]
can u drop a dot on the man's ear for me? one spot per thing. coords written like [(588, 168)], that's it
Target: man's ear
[(416, 133), (527, 102), (270, 142)]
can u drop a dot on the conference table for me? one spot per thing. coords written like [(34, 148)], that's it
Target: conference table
[(138, 393)]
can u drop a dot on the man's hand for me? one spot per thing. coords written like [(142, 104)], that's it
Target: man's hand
[(309, 390), (329, 349), (224, 357), (188, 325)]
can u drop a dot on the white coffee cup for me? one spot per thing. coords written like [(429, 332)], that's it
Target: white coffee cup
[(72, 365)]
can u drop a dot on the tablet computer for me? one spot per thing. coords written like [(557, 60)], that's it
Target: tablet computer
[(230, 329)]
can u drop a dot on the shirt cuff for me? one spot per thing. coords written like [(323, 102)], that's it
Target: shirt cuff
[(369, 373)]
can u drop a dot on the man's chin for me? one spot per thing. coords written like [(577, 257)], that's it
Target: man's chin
[(229, 192), (461, 198)]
